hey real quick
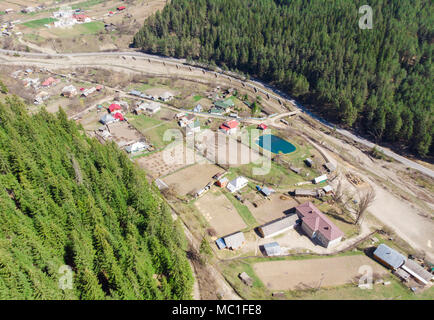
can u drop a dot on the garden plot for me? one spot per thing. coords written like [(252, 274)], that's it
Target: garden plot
[(123, 132), (192, 178), (312, 273), (156, 166), (220, 213)]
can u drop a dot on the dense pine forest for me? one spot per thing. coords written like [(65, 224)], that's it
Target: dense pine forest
[(378, 81), (65, 199)]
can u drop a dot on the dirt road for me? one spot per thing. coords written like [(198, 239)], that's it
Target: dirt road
[(404, 221), (258, 87)]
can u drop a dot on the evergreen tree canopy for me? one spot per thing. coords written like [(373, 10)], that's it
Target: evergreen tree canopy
[(65, 199), (378, 80)]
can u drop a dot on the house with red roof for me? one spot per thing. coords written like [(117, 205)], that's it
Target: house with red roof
[(119, 116), (48, 82), (121, 8), (81, 17), (317, 226), (114, 107), (229, 127), (263, 126)]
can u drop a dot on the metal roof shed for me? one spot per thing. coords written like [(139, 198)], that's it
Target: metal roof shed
[(272, 249), (417, 271), (235, 240), (220, 243), (389, 257)]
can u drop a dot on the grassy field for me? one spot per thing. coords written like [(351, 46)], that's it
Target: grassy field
[(278, 175), (39, 22), (90, 27), (243, 211), (152, 128), (86, 4), (34, 38)]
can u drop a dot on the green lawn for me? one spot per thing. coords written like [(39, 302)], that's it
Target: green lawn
[(90, 27), (197, 98), (39, 22), (152, 128)]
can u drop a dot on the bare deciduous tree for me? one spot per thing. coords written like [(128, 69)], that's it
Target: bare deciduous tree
[(364, 203), (338, 194)]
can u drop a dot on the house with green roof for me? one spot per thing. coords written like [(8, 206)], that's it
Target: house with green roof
[(226, 105)]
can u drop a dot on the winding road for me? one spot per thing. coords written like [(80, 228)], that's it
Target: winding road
[(257, 86)]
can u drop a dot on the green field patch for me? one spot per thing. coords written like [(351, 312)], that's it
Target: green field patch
[(90, 27), (243, 211), (152, 128), (39, 22), (86, 4)]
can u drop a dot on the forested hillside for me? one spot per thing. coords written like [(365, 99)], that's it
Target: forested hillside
[(65, 199), (378, 81)]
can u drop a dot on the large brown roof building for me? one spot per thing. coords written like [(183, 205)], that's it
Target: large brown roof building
[(317, 226)]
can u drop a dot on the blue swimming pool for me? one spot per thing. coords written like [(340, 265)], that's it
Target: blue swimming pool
[(275, 144)]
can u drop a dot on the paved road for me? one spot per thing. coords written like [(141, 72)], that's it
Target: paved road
[(254, 84)]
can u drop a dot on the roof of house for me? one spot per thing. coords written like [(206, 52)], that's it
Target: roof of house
[(317, 221), (417, 271), (230, 124), (69, 88), (237, 183), (135, 92), (267, 191), (223, 180), (278, 225), (153, 106), (220, 243), (320, 178), (48, 81), (114, 107), (107, 118), (224, 103), (392, 257), (272, 249), (216, 110), (166, 95), (305, 192), (234, 240), (246, 278), (194, 124), (119, 116), (327, 188), (263, 126), (330, 166)]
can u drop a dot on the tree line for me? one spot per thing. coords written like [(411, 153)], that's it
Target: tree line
[(66, 199), (377, 81)]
